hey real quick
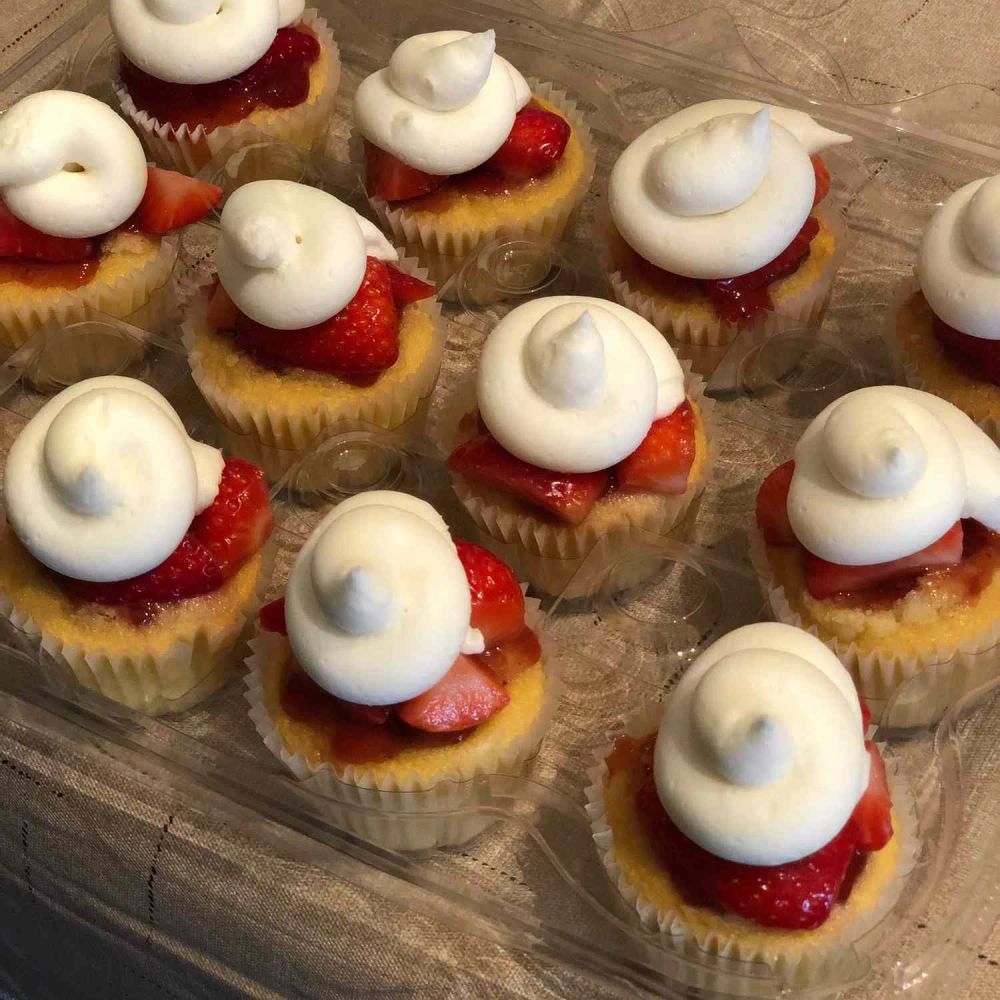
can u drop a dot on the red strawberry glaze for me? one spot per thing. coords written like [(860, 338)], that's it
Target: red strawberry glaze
[(279, 79), (978, 358)]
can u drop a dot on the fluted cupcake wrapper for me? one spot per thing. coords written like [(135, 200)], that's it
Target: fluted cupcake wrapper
[(188, 150), (443, 248), (946, 671), (408, 812), (141, 297), (799, 966)]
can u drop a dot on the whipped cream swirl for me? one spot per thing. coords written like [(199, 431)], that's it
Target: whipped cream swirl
[(198, 41), (718, 189), (103, 482), (291, 256), (377, 603), (573, 384), (444, 104), (69, 166), (959, 260), (885, 471), (760, 756)]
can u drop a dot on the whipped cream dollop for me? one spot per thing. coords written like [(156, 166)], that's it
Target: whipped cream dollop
[(103, 482), (291, 256), (885, 471), (719, 189), (377, 603), (760, 756), (198, 41), (444, 104), (69, 166), (573, 384), (959, 261)]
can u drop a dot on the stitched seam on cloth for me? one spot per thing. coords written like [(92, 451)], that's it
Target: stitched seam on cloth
[(151, 881), (24, 34)]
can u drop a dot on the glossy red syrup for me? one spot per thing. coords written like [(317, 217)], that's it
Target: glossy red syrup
[(279, 79), (43, 274)]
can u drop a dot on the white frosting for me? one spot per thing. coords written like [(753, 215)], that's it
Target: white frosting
[(572, 384), (959, 260), (378, 604), (69, 165), (444, 104), (289, 11), (198, 41), (291, 256), (718, 189), (885, 471), (103, 482), (760, 757)]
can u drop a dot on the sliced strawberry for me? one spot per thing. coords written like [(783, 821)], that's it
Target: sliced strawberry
[(390, 178), (772, 506), (979, 357), (822, 179), (173, 200), (465, 697), (536, 143), (406, 289), (568, 496), (512, 656), (866, 715), (272, 617), (19, 240), (357, 344), (222, 312), (662, 463), (824, 579), (497, 599), (872, 817)]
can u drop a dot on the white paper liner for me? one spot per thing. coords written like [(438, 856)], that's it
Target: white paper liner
[(188, 150), (805, 967), (710, 332), (188, 672), (140, 297), (290, 431), (555, 551), (393, 813), (947, 671), (445, 248)]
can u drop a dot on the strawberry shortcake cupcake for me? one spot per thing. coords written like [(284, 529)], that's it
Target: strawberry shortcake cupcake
[(881, 537), (457, 147), (84, 224), (748, 820), (199, 79), (716, 222), (399, 666), (131, 553), (580, 427)]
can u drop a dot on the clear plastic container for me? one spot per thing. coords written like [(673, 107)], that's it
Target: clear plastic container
[(544, 888)]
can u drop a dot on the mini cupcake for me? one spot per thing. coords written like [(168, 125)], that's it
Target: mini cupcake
[(715, 222), (881, 538), (455, 147), (197, 78), (948, 329), (82, 218), (131, 553), (755, 824), (313, 327), (397, 668), (581, 427)]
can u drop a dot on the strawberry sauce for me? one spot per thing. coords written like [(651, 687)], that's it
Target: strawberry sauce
[(279, 79), (978, 358), (43, 274)]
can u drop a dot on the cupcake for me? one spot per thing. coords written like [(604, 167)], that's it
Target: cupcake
[(83, 220), (715, 223), (313, 327), (948, 329), (880, 537), (130, 553), (753, 823), (456, 147), (397, 668), (581, 427), (196, 79)]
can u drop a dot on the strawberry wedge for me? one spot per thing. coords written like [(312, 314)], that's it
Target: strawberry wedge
[(390, 178), (536, 143), (872, 816), (772, 506), (406, 289), (497, 600), (466, 696), (19, 240), (662, 462), (173, 200)]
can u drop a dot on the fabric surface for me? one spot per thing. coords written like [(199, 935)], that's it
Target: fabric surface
[(115, 884)]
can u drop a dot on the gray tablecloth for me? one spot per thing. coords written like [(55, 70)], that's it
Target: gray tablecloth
[(168, 897)]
